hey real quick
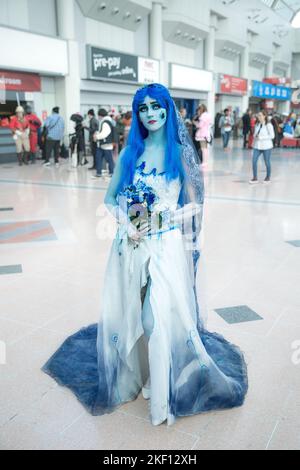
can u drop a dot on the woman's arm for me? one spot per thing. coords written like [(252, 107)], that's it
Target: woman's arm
[(112, 192), (111, 202)]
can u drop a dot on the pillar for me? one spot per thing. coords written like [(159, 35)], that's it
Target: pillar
[(244, 72), (209, 54), (156, 39), (270, 68), (68, 87), (156, 31)]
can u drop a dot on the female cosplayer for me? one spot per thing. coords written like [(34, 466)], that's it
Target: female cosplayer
[(151, 337)]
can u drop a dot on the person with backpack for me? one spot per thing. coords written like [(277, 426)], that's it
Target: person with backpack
[(92, 128), (54, 129), (104, 138), (77, 140), (263, 144)]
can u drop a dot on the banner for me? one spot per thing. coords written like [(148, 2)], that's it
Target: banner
[(148, 71), (267, 91), (190, 78), (229, 85), (111, 65), (15, 81), (278, 81)]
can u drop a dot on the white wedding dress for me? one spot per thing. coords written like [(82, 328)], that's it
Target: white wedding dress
[(150, 332)]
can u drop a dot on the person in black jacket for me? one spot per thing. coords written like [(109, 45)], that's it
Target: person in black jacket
[(246, 126), (77, 139), (93, 127)]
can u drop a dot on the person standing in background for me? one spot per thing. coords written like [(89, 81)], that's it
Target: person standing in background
[(127, 126), (263, 143), (187, 122), (252, 129), (20, 129), (104, 139), (226, 125), (55, 128), (277, 129), (93, 128), (246, 126), (297, 129), (34, 124), (289, 129), (203, 132)]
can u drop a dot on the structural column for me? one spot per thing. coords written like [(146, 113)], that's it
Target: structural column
[(210, 60), (244, 72), (287, 104), (156, 31), (68, 87), (269, 68), (156, 38)]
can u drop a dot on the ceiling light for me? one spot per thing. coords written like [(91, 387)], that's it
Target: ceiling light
[(127, 15), (178, 32), (138, 19), (115, 11), (102, 6)]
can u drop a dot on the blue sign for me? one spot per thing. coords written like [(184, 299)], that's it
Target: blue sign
[(271, 92)]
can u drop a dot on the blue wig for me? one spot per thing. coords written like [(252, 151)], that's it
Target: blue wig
[(138, 133)]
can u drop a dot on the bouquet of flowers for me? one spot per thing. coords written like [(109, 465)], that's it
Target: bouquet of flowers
[(139, 199)]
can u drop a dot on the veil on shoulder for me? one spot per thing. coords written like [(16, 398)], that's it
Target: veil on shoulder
[(191, 202)]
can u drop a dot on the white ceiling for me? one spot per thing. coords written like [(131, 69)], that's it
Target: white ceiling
[(127, 14), (284, 8)]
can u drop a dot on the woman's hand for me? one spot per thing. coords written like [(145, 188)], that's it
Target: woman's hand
[(144, 228), (133, 233)]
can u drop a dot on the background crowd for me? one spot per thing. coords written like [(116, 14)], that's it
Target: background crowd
[(103, 135)]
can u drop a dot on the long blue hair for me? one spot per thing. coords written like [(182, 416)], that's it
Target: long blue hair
[(138, 133)]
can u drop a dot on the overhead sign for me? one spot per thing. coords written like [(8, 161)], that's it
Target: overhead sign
[(148, 70), (189, 78), (14, 81), (229, 85), (268, 91), (278, 80), (116, 66), (112, 65)]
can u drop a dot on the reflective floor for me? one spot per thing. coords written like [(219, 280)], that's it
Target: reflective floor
[(52, 259)]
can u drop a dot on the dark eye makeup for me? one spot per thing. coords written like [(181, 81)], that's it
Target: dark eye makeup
[(143, 107)]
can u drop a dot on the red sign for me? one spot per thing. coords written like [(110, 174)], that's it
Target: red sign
[(229, 85), (278, 81), (14, 81)]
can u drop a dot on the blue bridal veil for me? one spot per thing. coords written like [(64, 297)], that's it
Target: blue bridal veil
[(106, 365)]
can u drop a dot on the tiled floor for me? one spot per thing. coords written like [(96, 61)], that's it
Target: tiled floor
[(252, 266)]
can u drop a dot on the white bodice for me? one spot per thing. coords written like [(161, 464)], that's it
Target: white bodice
[(167, 192)]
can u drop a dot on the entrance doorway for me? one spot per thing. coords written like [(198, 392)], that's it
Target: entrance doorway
[(190, 106)]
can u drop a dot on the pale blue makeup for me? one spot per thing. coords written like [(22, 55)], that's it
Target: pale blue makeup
[(152, 115)]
